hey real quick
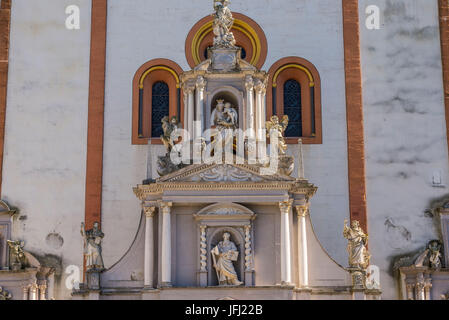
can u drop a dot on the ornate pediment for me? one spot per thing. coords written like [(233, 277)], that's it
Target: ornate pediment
[(222, 173)]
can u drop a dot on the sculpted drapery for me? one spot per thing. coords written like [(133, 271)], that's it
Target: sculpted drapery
[(357, 240), (224, 254)]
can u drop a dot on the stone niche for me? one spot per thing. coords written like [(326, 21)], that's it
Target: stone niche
[(212, 222)]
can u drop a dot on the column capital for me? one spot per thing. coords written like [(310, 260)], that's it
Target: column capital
[(260, 87), (165, 204), (285, 206), (188, 88), (200, 83), (149, 211), (302, 210), (249, 83)]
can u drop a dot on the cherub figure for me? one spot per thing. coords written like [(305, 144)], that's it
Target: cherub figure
[(279, 129), (169, 127)]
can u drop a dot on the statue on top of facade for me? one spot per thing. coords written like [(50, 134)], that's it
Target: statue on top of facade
[(17, 255), (357, 241), (279, 129), (222, 25), (223, 255), (431, 257), (92, 247), (169, 127)]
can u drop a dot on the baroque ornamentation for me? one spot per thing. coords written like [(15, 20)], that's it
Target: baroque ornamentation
[(278, 129), (248, 252), (203, 250), (92, 247), (4, 294), (227, 173), (357, 240), (224, 254), (431, 257)]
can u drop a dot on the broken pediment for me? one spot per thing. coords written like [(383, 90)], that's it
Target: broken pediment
[(222, 173)]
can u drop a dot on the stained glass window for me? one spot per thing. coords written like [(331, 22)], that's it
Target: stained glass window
[(292, 108), (159, 107)]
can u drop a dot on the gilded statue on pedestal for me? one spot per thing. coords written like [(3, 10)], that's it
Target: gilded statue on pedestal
[(92, 247), (279, 129), (357, 241), (223, 255)]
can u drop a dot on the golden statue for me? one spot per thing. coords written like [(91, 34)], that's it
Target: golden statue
[(357, 241), (279, 128)]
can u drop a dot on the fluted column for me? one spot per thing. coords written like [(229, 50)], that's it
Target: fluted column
[(303, 263), (410, 291), (149, 247), (250, 121), (200, 85), (285, 208), (166, 243), (260, 120)]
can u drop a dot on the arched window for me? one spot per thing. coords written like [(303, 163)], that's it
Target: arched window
[(292, 108), (294, 89), (160, 106), (156, 94)]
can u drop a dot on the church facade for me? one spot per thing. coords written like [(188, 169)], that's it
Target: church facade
[(287, 149)]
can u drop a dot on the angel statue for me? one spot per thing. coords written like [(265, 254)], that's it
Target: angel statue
[(92, 246), (169, 127), (279, 128), (222, 24), (16, 253), (357, 240)]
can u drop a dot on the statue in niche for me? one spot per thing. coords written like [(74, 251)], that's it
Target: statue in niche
[(17, 254), (92, 247), (224, 116), (223, 255), (169, 126), (279, 128), (222, 25), (357, 240)]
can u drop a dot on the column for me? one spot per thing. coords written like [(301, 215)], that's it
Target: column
[(200, 85), (51, 286), (166, 243), (249, 84), (427, 287), (410, 289), (189, 98), (419, 287), (43, 291), (25, 290), (285, 208), (303, 264), (300, 160), (260, 121), (149, 247), (248, 257), (34, 289), (203, 257)]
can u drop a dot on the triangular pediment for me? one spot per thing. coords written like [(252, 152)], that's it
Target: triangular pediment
[(222, 173)]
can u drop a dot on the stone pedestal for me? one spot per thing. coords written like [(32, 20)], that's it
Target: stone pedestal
[(93, 279)]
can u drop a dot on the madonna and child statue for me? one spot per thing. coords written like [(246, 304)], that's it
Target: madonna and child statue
[(224, 254)]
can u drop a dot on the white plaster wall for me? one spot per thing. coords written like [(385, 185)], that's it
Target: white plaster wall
[(141, 30), (404, 128), (46, 128)]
